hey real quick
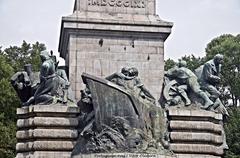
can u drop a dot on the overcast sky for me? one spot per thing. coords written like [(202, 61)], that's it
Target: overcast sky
[(196, 22)]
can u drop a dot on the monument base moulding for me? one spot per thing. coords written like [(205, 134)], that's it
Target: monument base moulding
[(46, 131), (196, 133)]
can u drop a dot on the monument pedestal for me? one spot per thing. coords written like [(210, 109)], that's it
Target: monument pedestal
[(46, 131), (101, 39), (196, 133)]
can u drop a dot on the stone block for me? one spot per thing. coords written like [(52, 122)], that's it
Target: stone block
[(58, 108), (187, 137), (121, 53), (195, 133), (195, 126), (53, 145), (194, 113), (97, 67), (196, 148), (47, 133), (44, 154), (45, 146), (22, 111), (196, 156), (23, 147), (105, 68), (47, 122)]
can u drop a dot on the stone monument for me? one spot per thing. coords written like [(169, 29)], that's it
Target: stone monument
[(103, 36), (117, 114)]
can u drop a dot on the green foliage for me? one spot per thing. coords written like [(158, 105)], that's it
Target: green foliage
[(8, 104), (7, 139), (193, 62), (169, 64), (13, 59), (26, 54), (229, 46), (232, 129)]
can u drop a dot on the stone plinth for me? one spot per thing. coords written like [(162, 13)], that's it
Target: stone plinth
[(125, 155), (46, 131), (196, 133), (101, 39)]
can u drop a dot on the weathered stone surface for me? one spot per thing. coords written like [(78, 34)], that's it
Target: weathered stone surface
[(195, 133), (194, 113), (197, 148), (45, 146), (44, 154), (53, 109), (47, 122), (196, 126), (122, 6), (47, 133), (196, 137), (131, 37), (111, 58), (22, 111), (22, 147), (121, 22)]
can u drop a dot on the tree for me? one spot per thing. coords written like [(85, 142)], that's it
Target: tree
[(8, 104), (232, 129), (13, 59), (169, 64), (26, 54), (229, 46), (193, 62)]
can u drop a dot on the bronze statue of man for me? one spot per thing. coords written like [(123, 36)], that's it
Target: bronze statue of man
[(128, 78), (48, 82), (48, 87), (210, 75), (186, 77)]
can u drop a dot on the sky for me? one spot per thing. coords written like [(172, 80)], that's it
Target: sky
[(196, 22)]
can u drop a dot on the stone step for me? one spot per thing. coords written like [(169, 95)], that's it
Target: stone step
[(200, 114), (192, 126), (47, 122), (196, 148), (45, 146), (203, 138), (44, 154), (196, 156), (48, 110), (47, 134)]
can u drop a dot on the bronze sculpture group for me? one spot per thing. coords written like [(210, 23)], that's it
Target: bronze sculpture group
[(48, 86), (183, 87), (118, 113)]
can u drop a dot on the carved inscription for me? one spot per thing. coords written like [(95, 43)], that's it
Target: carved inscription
[(118, 3)]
